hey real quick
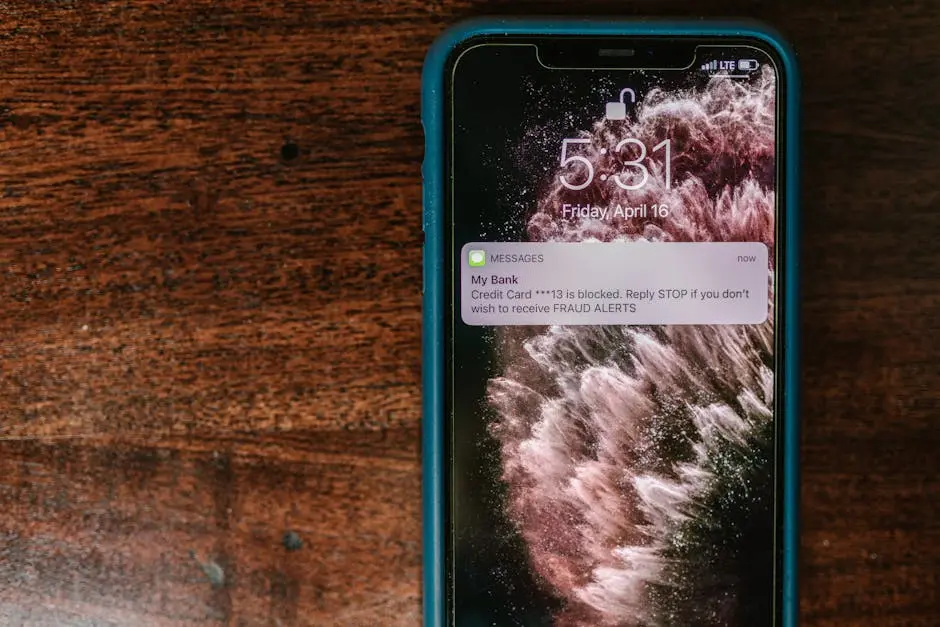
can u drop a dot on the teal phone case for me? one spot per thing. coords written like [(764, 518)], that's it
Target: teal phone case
[(435, 307)]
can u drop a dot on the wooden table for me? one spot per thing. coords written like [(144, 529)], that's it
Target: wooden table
[(209, 309)]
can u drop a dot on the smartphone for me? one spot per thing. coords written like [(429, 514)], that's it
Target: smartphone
[(610, 325)]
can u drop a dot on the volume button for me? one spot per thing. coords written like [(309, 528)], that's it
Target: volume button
[(424, 195), (424, 149), (424, 179)]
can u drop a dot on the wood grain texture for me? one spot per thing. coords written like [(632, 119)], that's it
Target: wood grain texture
[(209, 340)]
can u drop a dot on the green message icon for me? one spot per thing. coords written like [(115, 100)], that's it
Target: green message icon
[(477, 258)]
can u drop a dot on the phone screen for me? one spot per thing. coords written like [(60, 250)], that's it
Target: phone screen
[(612, 442)]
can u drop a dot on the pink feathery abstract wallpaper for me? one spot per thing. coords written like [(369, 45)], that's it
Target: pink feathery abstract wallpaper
[(620, 475)]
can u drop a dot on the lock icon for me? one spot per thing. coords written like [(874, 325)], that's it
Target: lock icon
[(618, 110)]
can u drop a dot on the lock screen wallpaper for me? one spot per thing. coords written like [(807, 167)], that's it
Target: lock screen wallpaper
[(619, 475)]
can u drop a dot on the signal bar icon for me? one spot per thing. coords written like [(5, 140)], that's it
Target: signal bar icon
[(711, 66)]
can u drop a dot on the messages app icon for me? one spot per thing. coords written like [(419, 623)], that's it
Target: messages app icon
[(477, 258)]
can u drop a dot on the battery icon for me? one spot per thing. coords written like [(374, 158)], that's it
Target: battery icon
[(748, 65)]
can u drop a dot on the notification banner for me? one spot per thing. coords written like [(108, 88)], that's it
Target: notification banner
[(617, 283)]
